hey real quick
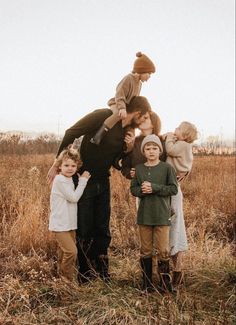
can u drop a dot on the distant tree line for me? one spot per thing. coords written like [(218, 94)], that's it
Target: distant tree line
[(48, 143), (214, 145), (21, 145)]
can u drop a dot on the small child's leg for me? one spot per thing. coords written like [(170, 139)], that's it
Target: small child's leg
[(67, 243), (106, 126), (177, 269), (177, 261)]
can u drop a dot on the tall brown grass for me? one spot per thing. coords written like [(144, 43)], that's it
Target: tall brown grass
[(31, 292)]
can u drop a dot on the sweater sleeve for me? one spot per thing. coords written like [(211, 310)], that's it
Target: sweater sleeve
[(87, 124), (171, 188), (173, 148), (135, 188), (68, 193)]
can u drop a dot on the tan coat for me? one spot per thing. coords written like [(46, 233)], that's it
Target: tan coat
[(127, 88)]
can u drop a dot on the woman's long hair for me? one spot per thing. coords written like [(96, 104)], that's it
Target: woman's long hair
[(156, 122)]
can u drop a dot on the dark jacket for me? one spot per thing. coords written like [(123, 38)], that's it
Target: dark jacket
[(96, 159)]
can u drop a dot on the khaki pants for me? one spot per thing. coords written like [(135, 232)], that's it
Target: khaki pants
[(154, 238), (67, 253), (114, 118)]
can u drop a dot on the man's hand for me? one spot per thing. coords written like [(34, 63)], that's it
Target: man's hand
[(146, 187), (53, 171), (122, 113), (132, 172)]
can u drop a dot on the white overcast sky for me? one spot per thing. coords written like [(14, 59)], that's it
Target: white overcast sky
[(60, 59)]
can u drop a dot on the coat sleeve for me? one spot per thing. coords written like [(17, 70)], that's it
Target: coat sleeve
[(171, 188), (135, 188), (126, 166), (89, 123), (68, 193), (173, 148), (121, 93)]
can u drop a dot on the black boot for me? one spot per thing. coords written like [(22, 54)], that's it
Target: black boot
[(96, 139), (165, 278), (86, 271), (102, 266), (146, 266)]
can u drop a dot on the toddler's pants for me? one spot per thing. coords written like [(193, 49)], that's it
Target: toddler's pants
[(67, 253)]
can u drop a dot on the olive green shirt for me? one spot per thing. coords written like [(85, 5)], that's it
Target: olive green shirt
[(154, 208)]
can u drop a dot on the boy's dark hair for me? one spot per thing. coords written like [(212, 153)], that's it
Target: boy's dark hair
[(138, 103)]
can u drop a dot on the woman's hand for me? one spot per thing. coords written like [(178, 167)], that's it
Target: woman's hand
[(129, 140)]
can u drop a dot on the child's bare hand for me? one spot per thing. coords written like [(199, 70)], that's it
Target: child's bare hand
[(86, 174), (146, 187), (169, 134), (122, 113), (132, 172)]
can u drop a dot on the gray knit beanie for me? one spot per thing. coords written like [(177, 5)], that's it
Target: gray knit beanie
[(152, 138)]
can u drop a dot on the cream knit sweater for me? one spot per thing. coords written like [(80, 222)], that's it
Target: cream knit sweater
[(63, 203), (179, 154)]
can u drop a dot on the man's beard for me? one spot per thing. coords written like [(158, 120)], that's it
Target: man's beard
[(134, 124)]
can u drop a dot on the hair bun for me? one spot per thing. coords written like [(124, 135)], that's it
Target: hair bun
[(139, 54)]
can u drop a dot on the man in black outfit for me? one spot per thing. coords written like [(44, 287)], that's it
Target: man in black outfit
[(94, 206)]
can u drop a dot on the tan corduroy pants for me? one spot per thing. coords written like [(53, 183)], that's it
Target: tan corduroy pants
[(67, 253), (154, 238)]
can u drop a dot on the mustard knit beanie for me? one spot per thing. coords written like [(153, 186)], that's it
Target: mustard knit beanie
[(151, 138), (143, 64)]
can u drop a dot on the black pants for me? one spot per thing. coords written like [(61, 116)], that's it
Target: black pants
[(93, 234)]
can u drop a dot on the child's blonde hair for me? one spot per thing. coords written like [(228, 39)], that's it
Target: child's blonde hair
[(68, 154), (189, 131)]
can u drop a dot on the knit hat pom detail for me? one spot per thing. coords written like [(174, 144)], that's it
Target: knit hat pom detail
[(143, 64)]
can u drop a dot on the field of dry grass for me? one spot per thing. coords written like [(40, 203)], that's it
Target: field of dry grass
[(31, 293)]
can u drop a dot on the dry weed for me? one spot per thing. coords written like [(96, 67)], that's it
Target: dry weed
[(31, 293)]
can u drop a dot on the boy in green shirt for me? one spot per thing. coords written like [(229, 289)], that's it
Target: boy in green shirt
[(154, 183)]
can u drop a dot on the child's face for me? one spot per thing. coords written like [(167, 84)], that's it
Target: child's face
[(151, 152), (179, 132), (145, 76), (68, 167)]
